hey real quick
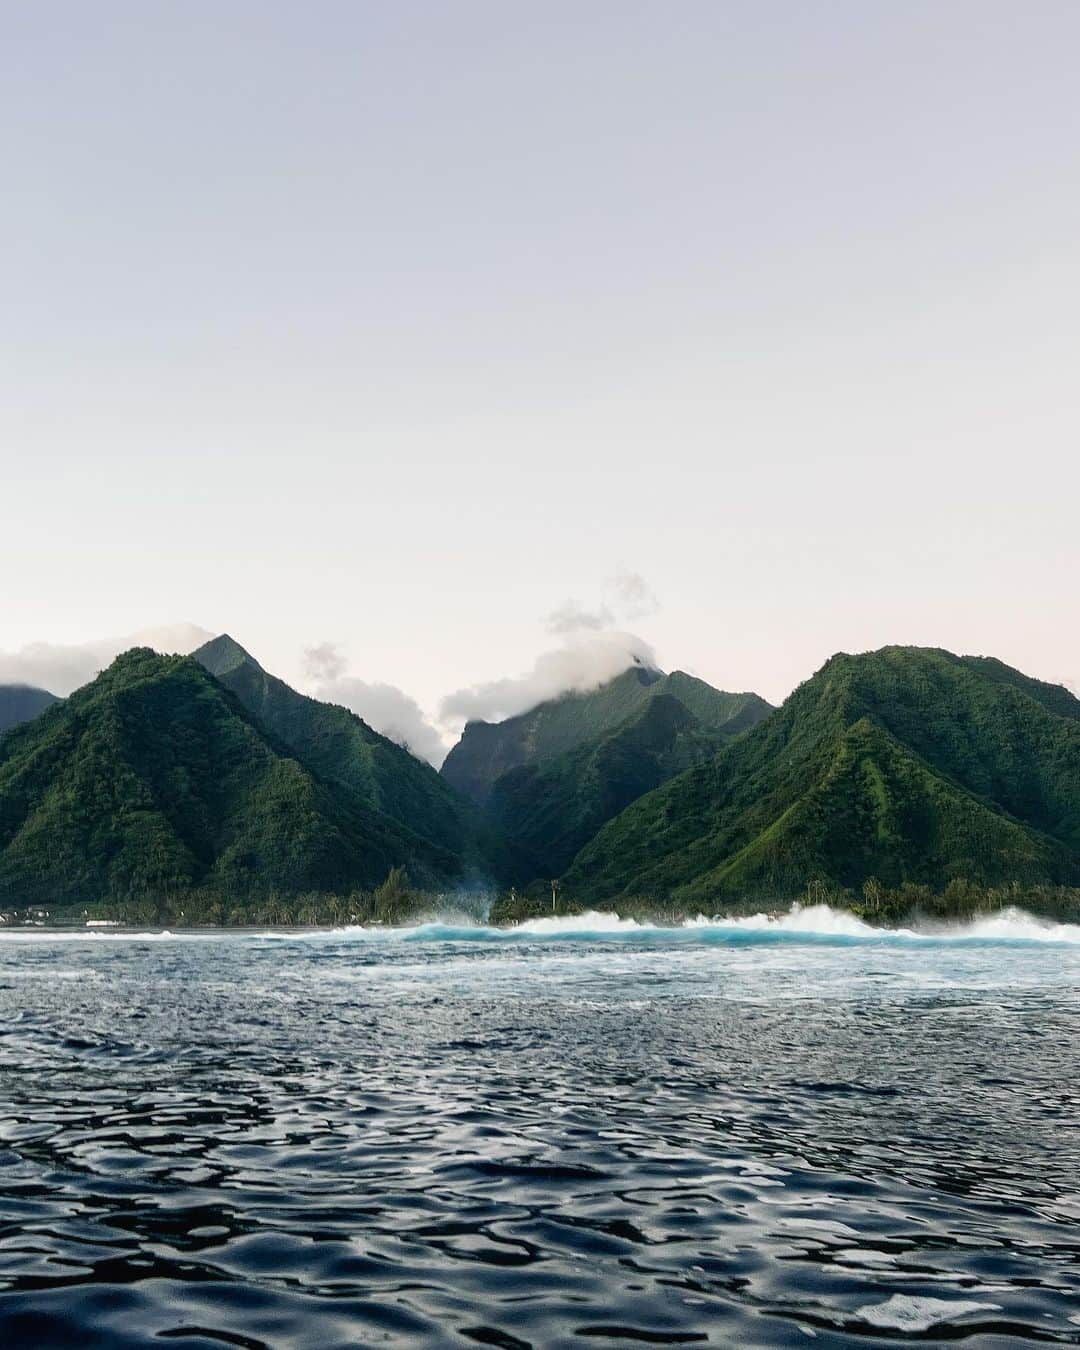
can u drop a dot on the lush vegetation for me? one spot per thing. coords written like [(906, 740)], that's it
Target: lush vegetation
[(550, 778), (488, 750), (340, 747), (398, 901), (553, 808), (22, 702), (882, 906), (154, 780), (900, 783), (907, 765)]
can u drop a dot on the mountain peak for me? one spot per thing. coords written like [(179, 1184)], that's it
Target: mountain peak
[(487, 750), (222, 654)]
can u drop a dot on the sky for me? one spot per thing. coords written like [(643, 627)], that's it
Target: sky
[(451, 341)]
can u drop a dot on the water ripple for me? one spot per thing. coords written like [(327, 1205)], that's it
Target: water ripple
[(322, 1143)]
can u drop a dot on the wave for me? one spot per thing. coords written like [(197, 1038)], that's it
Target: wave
[(44, 934), (818, 924)]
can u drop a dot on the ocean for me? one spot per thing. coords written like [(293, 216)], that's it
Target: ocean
[(578, 1133)]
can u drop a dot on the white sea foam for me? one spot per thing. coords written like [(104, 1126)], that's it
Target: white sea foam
[(1009, 925), (91, 935), (807, 923), (821, 920), (905, 1312), (591, 922)]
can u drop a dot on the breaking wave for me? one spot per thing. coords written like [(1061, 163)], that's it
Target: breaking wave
[(799, 924), (818, 924)]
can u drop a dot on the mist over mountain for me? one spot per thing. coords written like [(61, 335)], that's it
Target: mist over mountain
[(904, 765), (487, 750), (550, 777), (341, 747), (21, 702), (384, 707), (583, 662), (65, 667), (154, 778)]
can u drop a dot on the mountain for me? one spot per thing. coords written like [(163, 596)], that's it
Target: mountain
[(488, 750), (154, 778), (340, 747), (553, 808), (21, 702), (551, 777), (905, 764)]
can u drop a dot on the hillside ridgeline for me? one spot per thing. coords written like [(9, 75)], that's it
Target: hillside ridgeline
[(155, 779), (901, 766)]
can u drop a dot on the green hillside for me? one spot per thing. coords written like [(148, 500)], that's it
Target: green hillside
[(341, 747), (552, 809), (21, 702), (905, 764), (488, 750), (154, 778)]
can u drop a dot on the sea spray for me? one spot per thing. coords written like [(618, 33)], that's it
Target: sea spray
[(810, 924)]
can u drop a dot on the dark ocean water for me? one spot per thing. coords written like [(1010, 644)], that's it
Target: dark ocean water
[(738, 1136)]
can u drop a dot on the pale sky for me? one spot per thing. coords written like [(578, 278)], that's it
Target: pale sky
[(399, 326)]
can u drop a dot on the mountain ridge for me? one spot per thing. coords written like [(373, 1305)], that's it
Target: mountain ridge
[(907, 764), (154, 778), (487, 750), (342, 747)]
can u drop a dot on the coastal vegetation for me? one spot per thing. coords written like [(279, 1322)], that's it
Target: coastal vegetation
[(396, 901), (154, 780), (901, 783), (908, 765), (339, 747)]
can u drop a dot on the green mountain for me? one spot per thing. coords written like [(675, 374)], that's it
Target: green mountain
[(340, 747), (905, 764), (21, 702), (488, 750), (154, 778), (551, 777), (553, 808)]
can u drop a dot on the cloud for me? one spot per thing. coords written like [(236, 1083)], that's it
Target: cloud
[(384, 707), (578, 665), (64, 668), (635, 598), (571, 617), (388, 710), (628, 597), (324, 662)]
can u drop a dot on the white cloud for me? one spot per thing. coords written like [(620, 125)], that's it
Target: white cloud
[(63, 668), (324, 662), (389, 711), (628, 597), (634, 597), (580, 665), (384, 707), (571, 617)]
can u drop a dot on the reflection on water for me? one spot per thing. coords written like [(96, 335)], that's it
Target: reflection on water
[(633, 1138)]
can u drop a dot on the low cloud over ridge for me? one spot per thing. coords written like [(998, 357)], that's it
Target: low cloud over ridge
[(384, 707), (581, 664), (62, 668)]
